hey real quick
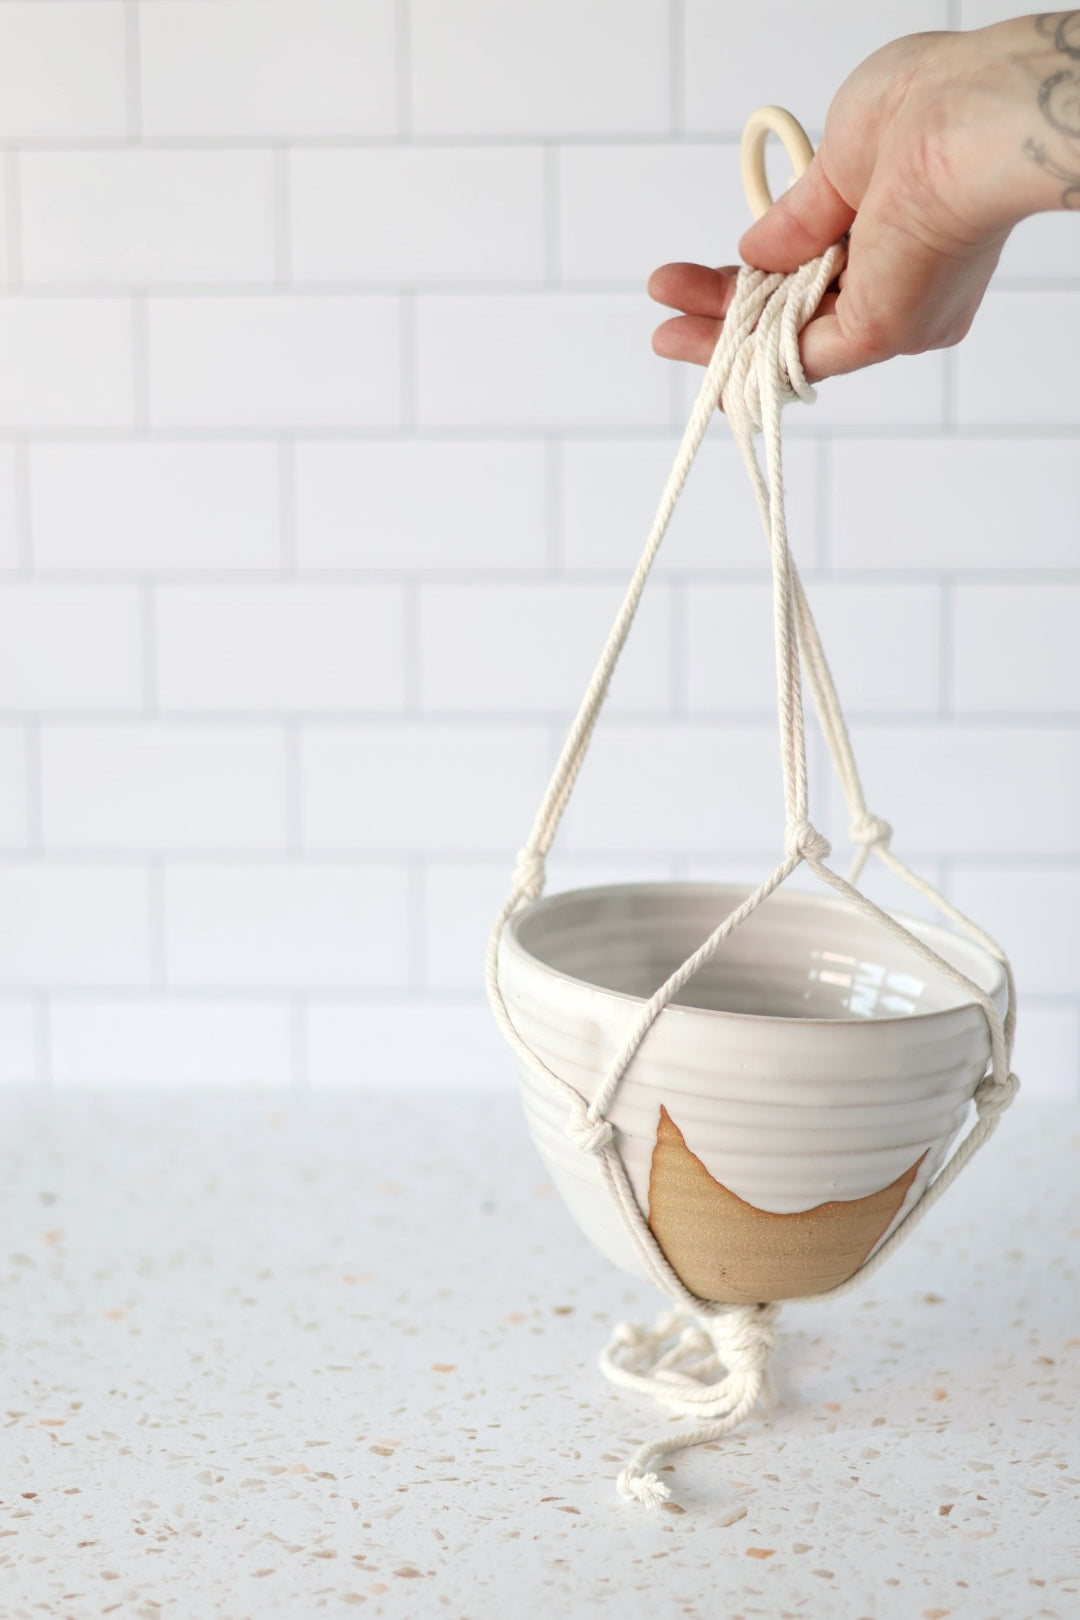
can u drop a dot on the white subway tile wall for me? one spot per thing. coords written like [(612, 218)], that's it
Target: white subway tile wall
[(329, 431)]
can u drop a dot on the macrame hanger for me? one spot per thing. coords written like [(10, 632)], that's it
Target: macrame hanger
[(754, 371)]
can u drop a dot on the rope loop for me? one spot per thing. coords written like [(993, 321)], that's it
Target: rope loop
[(714, 1370), (869, 830), (803, 842), (776, 370)]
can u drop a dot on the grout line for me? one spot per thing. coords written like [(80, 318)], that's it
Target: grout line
[(412, 696), (403, 68), (24, 508), (461, 286), (133, 70), (299, 1046), (368, 860), (500, 432), (554, 509), (730, 138), (556, 737), (678, 409), (950, 386), (823, 466), (148, 626), (294, 820), (35, 836), (646, 720), (286, 469), (947, 646), (13, 219), (573, 577), (678, 621), (140, 361), (282, 208), (677, 66), (407, 362), (417, 941), (268, 997), (552, 211), (43, 1041), (271, 998), (157, 932)]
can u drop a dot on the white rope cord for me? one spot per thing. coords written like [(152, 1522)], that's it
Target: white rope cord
[(755, 370)]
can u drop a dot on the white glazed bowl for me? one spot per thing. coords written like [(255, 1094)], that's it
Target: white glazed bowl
[(814, 1059)]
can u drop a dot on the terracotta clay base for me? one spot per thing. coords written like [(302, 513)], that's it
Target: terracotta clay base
[(725, 1250)]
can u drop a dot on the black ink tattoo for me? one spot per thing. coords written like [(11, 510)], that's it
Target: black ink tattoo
[(1070, 197), (1064, 31), (1059, 100)]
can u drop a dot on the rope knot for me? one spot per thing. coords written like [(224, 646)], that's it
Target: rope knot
[(868, 830), (802, 840), (644, 1488), (993, 1096), (745, 1338), (529, 874), (588, 1134)]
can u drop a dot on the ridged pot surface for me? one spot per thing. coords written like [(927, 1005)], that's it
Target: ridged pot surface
[(785, 1111)]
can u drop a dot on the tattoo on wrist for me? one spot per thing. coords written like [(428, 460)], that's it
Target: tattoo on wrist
[(1063, 30), (1059, 102), (1070, 197)]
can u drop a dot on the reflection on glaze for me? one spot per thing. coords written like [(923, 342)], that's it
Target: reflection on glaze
[(873, 992)]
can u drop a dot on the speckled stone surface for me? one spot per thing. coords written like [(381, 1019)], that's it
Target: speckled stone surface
[(266, 1356)]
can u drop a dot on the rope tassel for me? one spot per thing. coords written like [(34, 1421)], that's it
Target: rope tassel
[(677, 1362)]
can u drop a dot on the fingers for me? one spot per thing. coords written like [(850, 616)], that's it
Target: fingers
[(802, 223), (907, 288), (690, 337), (694, 288), (694, 337)]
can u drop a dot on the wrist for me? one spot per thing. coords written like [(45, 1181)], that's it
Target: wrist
[(1039, 59)]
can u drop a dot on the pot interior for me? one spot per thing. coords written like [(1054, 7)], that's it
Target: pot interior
[(798, 955)]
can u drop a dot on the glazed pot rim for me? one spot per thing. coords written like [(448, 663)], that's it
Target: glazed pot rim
[(935, 934)]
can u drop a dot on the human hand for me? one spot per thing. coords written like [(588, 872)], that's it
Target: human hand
[(934, 148)]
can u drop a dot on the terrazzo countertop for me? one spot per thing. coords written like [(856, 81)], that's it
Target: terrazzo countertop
[(272, 1356)]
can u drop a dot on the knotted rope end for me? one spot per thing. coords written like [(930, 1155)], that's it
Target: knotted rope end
[(646, 1489)]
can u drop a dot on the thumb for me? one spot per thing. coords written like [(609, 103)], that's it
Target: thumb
[(802, 223)]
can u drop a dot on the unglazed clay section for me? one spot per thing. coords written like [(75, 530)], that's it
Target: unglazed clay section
[(725, 1250), (829, 1095)]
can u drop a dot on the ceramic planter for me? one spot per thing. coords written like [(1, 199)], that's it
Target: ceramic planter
[(785, 1111)]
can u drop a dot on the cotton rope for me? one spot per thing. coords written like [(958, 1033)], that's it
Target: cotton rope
[(704, 1360)]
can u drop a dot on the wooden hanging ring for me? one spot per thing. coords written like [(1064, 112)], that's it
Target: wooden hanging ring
[(759, 126)]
